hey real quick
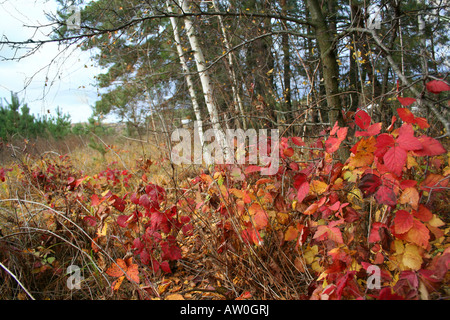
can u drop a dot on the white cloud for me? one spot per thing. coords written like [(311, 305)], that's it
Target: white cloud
[(68, 72)]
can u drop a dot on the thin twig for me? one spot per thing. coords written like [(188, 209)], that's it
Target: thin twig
[(17, 280)]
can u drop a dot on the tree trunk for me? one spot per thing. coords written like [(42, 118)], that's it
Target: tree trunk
[(330, 68), (204, 77), (188, 77)]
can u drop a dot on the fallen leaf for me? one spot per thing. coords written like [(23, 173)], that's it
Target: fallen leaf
[(174, 296)]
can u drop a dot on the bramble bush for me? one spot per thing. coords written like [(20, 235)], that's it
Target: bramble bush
[(374, 226)]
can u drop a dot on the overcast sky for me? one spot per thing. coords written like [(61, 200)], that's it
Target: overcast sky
[(70, 72)]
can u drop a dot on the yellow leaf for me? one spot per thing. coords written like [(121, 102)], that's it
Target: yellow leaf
[(399, 247), (411, 257), (294, 204), (436, 222), (317, 187), (104, 230), (282, 218), (105, 193), (310, 254), (411, 161), (163, 287)]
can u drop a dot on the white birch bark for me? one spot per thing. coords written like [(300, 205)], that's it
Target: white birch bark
[(204, 76), (189, 81)]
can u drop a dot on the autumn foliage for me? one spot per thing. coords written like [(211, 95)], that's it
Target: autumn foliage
[(319, 221)]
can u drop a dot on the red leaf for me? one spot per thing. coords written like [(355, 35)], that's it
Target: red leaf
[(302, 186), (298, 141), (430, 147), (332, 144), (369, 184), (92, 221), (302, 191), (437, 86), (362, 119), (144, 201), (421, 122), (132, 272), (260, 220), (384, 143), (395, 159), (374, 129), (374, 233), (386, 195), (251, 169), (351, 215), (423, 213), (403, 221), (386, 294), (165, 267), (406, 115), (171, 251), (122, 221), (95, 201), (406, 139), (406, 102), (134, 198), (155, 193), (391, 126), (288, 152), (408, 184), (335, 129), (342, 133)]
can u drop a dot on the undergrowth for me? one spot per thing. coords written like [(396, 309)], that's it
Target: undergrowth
[(139, 228)]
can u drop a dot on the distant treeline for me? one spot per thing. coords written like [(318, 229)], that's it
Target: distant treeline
[(17, 122)]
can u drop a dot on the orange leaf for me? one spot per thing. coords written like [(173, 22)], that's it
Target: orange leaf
[(418, 234), (133, 273), (116, 284), (291, 233), (311, 209), (174, 296), (434, 182), (260, 220), (115, 269), (410, 196)]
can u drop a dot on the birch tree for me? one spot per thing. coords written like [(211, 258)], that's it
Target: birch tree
[(204, 76), (187, 75)]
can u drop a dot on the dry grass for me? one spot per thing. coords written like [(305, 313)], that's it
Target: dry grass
[(43, 234)]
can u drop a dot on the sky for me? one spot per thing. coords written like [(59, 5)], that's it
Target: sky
[(70, 73)]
